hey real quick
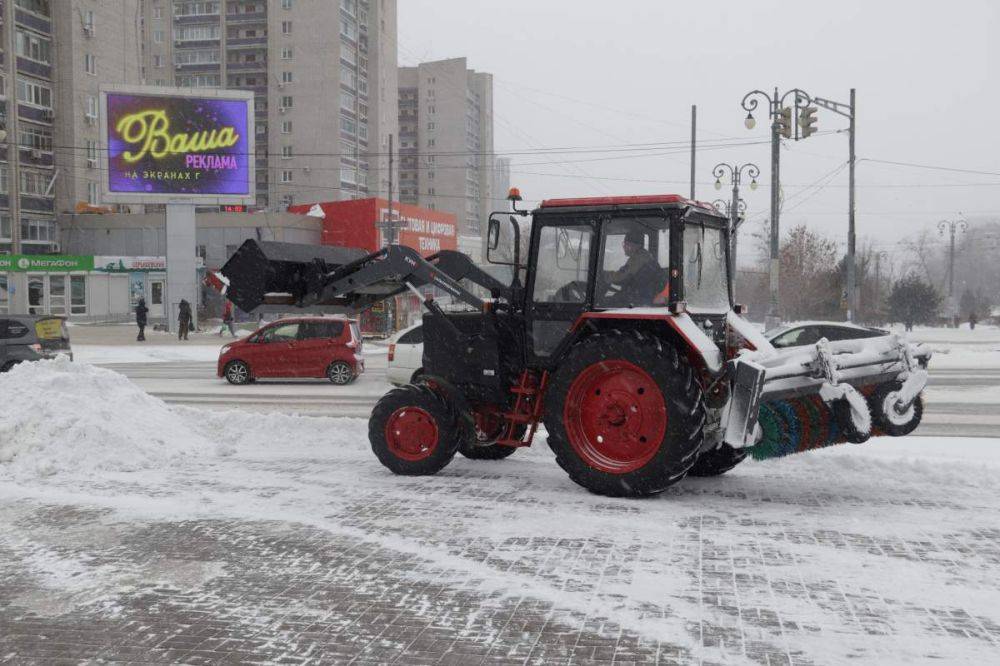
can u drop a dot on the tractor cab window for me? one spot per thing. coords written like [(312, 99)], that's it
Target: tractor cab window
[(563, 264), (705, 286), (635, 261)]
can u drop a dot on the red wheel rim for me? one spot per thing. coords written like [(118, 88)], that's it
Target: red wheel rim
[(615, 416), (411, 433)]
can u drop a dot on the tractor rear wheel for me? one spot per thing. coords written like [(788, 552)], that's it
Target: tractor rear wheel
[(717, 461), (625, 414), (413, 431)]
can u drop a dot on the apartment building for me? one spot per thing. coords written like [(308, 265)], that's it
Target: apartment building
[(324, 77), (446, 159), (55, 55)]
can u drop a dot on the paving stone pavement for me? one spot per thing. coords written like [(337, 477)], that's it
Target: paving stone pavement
[(326, 559)]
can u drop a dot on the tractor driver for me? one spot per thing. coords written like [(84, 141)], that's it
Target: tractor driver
[(640, 279)]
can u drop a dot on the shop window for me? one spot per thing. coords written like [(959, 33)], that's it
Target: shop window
[(57, 294), (36, 294), (78, 294), (4, 294)]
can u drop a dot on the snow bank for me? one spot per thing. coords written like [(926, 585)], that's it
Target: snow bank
[(57, 416)]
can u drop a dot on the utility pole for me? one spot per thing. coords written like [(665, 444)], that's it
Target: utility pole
[(849, 112), (694, 139), (781, 126), (736, 206), (953, 226)]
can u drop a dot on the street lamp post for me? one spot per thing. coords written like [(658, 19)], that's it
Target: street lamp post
[(780, 126), (736, 206), (953, 227)]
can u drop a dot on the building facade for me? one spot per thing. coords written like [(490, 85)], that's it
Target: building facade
[(446, 158), (324, 77), (55, 56)]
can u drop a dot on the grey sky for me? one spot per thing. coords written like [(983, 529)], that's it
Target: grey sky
[(598, 74)]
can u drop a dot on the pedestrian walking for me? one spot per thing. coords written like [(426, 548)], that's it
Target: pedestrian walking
[(973, 320), (141, 312), (183, 319), (227, 320)]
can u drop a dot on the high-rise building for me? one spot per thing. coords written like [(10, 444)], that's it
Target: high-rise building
[(446, 159), (324, 77), (56, 54)]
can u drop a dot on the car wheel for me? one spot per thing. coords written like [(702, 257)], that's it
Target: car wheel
[(238, 373), (340, 373)]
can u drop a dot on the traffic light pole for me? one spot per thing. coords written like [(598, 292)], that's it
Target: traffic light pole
[(781, 125), (848, 111)]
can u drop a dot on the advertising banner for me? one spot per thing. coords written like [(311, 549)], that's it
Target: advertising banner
[(136, 288), (169, 146), (29, 263), (116, 264)]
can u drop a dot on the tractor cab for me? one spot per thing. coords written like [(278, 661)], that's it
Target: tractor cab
[(651, 254)]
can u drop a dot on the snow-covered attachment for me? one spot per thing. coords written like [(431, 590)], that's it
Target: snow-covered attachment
[(822, 394)]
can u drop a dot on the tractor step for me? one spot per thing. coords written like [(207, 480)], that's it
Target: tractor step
[(527, 410)]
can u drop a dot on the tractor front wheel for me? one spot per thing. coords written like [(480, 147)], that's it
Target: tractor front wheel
[(413, 431), (625, 414)]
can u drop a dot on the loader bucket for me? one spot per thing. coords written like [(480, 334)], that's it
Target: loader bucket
[(259, 268)]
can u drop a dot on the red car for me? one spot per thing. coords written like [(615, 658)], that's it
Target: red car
[(298, 347)]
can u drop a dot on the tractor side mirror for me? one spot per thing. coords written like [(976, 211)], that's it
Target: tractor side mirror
[(493, 234)]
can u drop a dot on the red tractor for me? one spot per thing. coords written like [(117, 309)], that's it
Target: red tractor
[(617, 331)]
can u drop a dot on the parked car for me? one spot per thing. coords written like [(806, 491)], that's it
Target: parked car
[(32, 338), (810, 332), (328, 347), (406, 355)]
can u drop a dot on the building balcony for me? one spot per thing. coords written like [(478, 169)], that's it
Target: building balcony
[(29, 20), (246, 66), (37, 203), (197, 67), (247, 17), (38, 69), (242, 42)]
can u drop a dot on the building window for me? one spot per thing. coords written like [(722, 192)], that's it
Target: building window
[(347, 100), (286, 4), (34, 47), (158, 61), (88, 22), (91, 149), (347, 54), (430, 143), (92, 196), (348, 125), (196, 57), (349, 6), (78, 294), (90, 63), (349, 29), (157, 36), (5, 228), (157, 12), (286, 27), (196, 8), (36, 138), (194, 33), (430, 126), (91, 106), (4, 294), (37, 6), (200, 81), (286, 152), (34, 182), (286, 126), (286, 77), (286, 53), (286, 175), (286, 102), (34, 93)]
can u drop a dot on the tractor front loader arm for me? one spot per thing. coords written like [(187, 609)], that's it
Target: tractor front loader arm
[(276, 276)]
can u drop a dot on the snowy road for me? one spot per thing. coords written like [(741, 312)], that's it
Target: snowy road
[(960, 402), (131, 530)]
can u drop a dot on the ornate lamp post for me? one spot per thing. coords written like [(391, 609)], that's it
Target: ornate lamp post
[(736, 207), (953, 227), (781, 125)]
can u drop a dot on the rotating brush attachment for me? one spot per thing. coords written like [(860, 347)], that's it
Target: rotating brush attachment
[(793, 426)]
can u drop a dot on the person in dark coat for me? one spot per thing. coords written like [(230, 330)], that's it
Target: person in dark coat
[(183, 320), (973, 320), (228, 319), (141, 312)]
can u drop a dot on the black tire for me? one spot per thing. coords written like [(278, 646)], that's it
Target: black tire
[(340, 373), (238, 373), (672, 413), (894, 423), (490, 452), (842, 413), (717, 461), (415, 412)]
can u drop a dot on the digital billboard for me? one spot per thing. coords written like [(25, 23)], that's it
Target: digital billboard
[(167, 145)]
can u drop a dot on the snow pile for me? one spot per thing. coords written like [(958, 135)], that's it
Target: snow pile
[(58, 416)]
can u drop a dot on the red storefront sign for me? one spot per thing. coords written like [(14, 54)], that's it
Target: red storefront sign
[(358, 223)]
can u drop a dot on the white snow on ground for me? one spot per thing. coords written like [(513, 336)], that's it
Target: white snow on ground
[(104, 354), (828, 543), (960, 348)]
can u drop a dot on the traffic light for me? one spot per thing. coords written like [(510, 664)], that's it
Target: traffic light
[(807, 121), (784, 122)]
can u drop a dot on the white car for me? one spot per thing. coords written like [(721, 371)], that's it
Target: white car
[(406, 355)]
